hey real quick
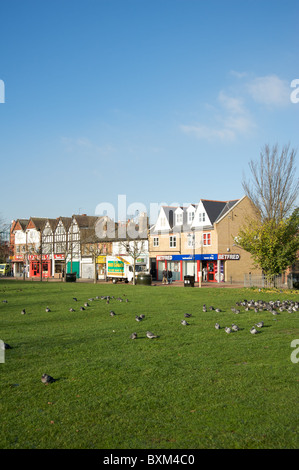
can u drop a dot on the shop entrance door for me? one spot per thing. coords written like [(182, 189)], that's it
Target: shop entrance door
[(212, 270)]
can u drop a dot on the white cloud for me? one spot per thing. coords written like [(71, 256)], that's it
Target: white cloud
[(269, 90), (233, 120)]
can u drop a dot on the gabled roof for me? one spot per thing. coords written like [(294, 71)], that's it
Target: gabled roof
[(37, 222), (85, 221), (213, 208), (66, 222), (21, 223)]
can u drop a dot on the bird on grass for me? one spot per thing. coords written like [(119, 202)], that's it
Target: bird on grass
[(5, 346), (227, 329), (218, 310), (217, 326), (82, 308), (112, 314), (133, 336), (47, 379), (4, 301), (137, 318), (151, 335), (48, 310), (187, 315), (75, 299), (72, 310), (184, 322), (260, 324), (253, 330), (86, 304), (235, 327), (23, 311)]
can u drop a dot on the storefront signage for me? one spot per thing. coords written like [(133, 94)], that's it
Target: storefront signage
[(229, 256), (101, 259), (18, 258), (207, 257), (59, 256), (37, 257), (163, 258)]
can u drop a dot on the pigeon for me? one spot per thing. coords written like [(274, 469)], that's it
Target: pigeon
[(112, 314), (82, 308), (86, 304), (217, 326), (4, 301), (142, 316), (235, 327), (133, 336), (23, 311), (91, 299), (253, 331), (184, 322), (46, 379), (260, 324), (75, 299), (218, 310), (227, 329), (151, 335), (211, 308), (137, 318), (5, 346), (48, 310), (187, 315), (72, 310)]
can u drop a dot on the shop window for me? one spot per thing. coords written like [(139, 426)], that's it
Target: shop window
[(206, 238), (172, 242), (156, 241)]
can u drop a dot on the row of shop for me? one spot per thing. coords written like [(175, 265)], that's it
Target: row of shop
[(54, 266), (210, 267)]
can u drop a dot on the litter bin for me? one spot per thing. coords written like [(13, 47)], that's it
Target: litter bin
[(70, 277), (189, 281), (144, 279)]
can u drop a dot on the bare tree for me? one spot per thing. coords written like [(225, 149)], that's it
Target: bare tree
[(274, 187), (133, 248)]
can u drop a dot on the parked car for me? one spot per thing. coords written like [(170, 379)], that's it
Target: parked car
[(4, 269)]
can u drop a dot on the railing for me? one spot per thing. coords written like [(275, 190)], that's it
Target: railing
[(280, 281)]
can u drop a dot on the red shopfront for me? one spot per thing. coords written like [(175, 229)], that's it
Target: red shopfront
[(35, 266)]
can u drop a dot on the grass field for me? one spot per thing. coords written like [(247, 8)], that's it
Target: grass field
[(193, 387)]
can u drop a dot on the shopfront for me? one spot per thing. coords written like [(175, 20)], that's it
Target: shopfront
[(189, 265), (35, 266), (59, 266)]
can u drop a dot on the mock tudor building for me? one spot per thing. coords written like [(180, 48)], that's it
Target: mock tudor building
[(200, 240)]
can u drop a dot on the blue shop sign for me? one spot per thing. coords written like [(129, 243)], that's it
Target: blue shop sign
[(207, 257)]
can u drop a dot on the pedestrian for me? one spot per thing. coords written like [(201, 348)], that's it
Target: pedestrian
[(164, 278), (204, 273), (169, 276)]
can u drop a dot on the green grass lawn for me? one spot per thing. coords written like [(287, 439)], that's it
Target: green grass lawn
[(193, 387)]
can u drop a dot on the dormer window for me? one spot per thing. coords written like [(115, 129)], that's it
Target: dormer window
[(201, 217), (179, 219), (190, 217)]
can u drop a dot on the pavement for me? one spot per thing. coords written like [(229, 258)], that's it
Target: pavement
[(154, 283)]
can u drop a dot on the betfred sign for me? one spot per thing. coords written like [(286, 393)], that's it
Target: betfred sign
[(229, 256)]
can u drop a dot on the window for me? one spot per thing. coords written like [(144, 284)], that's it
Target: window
[(191, 240), (190, 217), (201, 217), (172, 242), (156, 241), (179, 219), (206, 238)]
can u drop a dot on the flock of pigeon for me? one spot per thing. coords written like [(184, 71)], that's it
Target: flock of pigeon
[(273, 307)]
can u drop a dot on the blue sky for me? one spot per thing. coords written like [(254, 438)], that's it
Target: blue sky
[(163, 101)]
